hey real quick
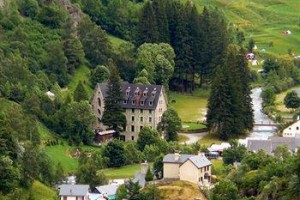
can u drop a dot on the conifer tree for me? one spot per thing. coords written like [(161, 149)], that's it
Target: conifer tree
[(229, 108), (113, 115), (72, 47), (147, 31), (80, 93), (159, 8)]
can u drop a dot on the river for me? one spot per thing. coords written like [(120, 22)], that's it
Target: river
[(262, 132)]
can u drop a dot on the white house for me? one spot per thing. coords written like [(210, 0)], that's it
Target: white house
[(74, 192), (292, 130), (192, 168)]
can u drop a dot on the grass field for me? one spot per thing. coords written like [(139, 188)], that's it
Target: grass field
[(41, 191), (218, 166), (61, 154), (122, 172), (190, 126), (44, 132), (263, 21), (279, 103), (209, 139), (80, 74), (189, 108), (179, 190)]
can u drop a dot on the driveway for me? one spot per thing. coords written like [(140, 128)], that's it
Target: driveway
[(193, 137)]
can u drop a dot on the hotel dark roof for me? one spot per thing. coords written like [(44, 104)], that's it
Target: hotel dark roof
[(137, 96)]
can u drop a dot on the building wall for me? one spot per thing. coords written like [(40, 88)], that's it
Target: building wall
[(189, 172), (142, 117), (292, 130), (138, 118), (98, 107), (202, 171), (72, 198), (171, 170), (161, 108), (139, 123)]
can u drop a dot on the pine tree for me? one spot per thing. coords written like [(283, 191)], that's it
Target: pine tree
[(80, 93), (159, 8), (147, 31), (229, 108), (113, 113), (73, 49)]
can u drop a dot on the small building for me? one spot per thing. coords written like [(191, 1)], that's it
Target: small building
[(292, 130), (192, 168), (269, 145), (108, 191), (218, 148), (104, 136), (74, 192), (140, 177), (51, 95)]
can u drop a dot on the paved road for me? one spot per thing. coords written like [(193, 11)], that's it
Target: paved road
[(193, 137)]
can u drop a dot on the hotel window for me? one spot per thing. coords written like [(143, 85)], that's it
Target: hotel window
[(141, 119), (132, 128), (150, 103), (132, 110), (133, 102), (150, 119), (297, 128), (132, 118), (132, 137), (150, 111), (141, 111), (141, 128), (142, 103), (125, 101)]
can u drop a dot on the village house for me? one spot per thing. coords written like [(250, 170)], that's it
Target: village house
[(269, 145), (74, 192), (292, 130), (143, 105), (192, 168)]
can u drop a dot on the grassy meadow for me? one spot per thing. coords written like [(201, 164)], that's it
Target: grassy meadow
[(263, 21)]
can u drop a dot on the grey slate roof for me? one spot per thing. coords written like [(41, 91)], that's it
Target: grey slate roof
[(272, 143), (73, 190), (198, 160), (152, 93), (140, 178), (108, 189)]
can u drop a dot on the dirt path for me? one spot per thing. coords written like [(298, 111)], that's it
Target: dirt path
[(193, 137)]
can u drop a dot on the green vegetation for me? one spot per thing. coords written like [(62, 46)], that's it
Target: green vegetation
[(41, 191), (192, 126), (210, 139), (62, 154), (182, 138), (189, 108), (122, 172)]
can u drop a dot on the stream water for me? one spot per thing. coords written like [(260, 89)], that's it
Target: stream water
[(262, 132)]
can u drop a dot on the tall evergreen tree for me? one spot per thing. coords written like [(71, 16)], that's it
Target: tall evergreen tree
[(147, 31), (72, 47), (113, 115), (159, 8), (215, 37), (229, 108), (80, 93)]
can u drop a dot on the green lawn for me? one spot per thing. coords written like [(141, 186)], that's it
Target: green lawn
[(116, 42), (218, 166), (80, 74), (61, 154), (182, 138), (123, 172), (189, 108), (41, 191), (191, 126), (44, 132), (209, 139)]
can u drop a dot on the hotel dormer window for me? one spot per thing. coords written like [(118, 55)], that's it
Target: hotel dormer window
[(150, 103), (142, 103), (133, 102), (127, 93), (125, 102)]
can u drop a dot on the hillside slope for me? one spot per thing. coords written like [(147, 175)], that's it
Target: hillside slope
[(264, 21)]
